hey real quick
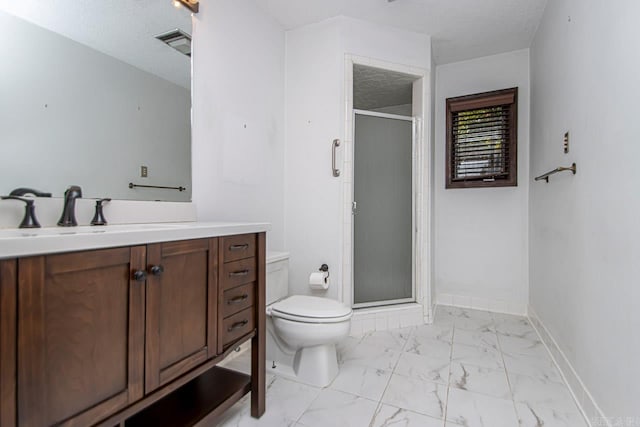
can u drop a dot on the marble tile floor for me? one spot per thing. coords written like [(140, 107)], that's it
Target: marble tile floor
[(470, 368)]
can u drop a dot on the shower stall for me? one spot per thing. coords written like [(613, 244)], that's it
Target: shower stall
[(383, 209)]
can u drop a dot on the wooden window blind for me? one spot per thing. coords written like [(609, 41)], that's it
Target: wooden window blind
[(482, 144)]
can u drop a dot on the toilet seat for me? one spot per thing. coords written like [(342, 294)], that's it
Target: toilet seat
[(308, 309)]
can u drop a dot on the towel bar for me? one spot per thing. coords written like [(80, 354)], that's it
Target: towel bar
[(545, 176), (132, 185)]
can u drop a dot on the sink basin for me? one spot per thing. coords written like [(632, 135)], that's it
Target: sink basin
[(86, 229)]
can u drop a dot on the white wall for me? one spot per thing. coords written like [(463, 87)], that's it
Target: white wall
[(313, 119), (481, 234), (385, 43), (238, 116), (585, 231), (315, 115), (70, 114)]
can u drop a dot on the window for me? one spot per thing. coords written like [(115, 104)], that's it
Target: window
[(482, 144)]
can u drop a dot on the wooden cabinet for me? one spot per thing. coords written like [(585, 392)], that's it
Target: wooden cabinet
[(237, 280), (121, 336), (80, 336), (8, 286), (182, 290), (242, 269)]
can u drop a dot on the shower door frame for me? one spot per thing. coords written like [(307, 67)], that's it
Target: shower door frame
[(398, 315), (414, 157)]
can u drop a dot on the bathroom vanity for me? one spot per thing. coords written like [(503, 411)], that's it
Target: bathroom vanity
[(124, 326)]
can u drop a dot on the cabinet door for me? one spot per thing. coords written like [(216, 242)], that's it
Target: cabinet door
[(8, 281), (80, 336), (181, 308)]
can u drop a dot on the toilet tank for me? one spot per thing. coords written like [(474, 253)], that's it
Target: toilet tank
[(277, 276)]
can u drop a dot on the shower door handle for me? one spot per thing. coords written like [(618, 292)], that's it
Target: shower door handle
[(354, 207), (334, 145)]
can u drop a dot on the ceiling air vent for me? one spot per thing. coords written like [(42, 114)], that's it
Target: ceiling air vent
[(177, 39)]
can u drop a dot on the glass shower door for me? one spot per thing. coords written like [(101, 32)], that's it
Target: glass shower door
[(383, 210)]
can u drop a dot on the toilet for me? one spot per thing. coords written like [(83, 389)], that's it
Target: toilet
[(302, 330)]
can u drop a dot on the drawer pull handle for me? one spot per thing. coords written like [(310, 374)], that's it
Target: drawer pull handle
[(237, 325), (238, 299), (239, 273), (239, 247)]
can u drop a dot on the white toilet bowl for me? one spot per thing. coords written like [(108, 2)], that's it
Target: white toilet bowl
[(306, 329)]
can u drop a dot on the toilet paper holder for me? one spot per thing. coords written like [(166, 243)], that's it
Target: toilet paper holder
[(325, 269), (319, 280)]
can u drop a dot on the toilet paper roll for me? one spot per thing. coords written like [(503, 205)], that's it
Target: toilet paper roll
[(319, 280)]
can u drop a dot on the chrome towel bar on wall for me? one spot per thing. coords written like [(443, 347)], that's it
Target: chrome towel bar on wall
[(545, 176), (181, 188)]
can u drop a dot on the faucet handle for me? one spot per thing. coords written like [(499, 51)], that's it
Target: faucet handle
[(29, 220), (22, 191), (98, 217)]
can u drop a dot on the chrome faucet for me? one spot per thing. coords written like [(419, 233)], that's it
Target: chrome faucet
[(68, 218)]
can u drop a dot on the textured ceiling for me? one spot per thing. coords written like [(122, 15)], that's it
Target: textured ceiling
[(460, 29), (375, 88), (124, 29)]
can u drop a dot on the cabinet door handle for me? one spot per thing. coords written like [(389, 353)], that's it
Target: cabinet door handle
[(140, 275), (239, 273), (238, 299), (237, 325), (156, 270), (238, 247)]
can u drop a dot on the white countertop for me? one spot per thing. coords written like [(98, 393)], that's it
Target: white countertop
[(17, 242)]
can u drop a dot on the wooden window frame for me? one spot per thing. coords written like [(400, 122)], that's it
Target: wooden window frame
[(476, 101)]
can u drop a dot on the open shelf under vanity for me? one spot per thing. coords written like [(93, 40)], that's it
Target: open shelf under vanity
[(196, 403)]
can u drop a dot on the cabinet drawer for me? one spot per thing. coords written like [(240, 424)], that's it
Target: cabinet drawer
[(237, 299), (238, 247), (238, 273), (235, 326)]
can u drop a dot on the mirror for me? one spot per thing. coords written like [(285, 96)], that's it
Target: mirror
[(89, 96)]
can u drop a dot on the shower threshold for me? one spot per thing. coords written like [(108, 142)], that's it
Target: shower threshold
[(382, 318)]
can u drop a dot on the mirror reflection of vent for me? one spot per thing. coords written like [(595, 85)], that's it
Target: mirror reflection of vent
[(177, 39)]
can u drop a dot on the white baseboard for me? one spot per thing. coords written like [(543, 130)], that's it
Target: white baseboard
[(485, 304), (590, 409)]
